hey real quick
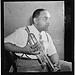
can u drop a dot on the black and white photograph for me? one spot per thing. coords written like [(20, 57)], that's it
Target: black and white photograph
[(38, 37)]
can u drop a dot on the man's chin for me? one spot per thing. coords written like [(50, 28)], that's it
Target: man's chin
[(46, 29)]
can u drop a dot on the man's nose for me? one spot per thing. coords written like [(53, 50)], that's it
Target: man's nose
[(48, 21)]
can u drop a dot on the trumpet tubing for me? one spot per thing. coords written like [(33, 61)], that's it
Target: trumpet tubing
[(43, 58)]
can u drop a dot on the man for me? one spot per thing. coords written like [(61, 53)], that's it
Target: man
[(18, 42)]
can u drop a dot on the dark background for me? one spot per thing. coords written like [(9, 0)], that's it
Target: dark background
[(68, 50)]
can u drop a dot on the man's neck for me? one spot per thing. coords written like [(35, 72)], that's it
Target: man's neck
[(36, 26)]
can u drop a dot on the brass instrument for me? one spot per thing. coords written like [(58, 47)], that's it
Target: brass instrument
[(43, 58)]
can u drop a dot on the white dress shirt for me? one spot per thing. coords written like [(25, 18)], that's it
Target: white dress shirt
[(20, 37)]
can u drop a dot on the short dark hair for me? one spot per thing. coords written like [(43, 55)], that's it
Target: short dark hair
[(36, 13)]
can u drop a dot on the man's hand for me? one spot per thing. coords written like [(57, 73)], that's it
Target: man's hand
[(57, 67), (31, 50), (35, 48)]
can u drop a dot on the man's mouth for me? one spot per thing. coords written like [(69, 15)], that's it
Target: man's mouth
[(47, 26)]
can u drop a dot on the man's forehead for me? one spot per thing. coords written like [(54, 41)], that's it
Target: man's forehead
[(45, 13)]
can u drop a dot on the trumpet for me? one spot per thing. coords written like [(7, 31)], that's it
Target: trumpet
[(42, 56)]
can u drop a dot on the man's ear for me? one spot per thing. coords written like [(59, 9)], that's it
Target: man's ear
[(35, 20)]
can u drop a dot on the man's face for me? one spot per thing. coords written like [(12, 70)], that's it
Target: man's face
[(43, 21)]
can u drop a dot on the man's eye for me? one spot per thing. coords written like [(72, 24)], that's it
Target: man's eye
[(44, 19)]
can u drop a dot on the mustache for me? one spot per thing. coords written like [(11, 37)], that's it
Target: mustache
[(47, 25)]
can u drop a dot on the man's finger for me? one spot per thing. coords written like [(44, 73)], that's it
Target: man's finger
[(36, 52), (35, 45)]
